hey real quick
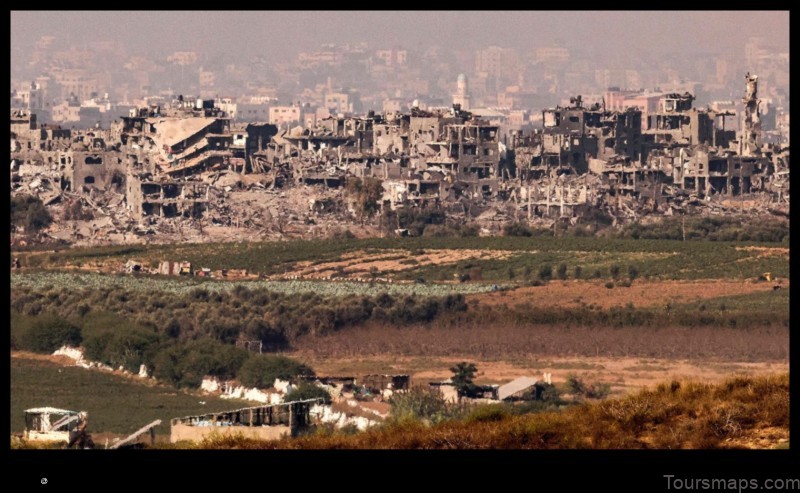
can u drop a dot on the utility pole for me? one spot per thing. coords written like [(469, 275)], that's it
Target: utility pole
[(683, 226), (529, 203), (741, 189)]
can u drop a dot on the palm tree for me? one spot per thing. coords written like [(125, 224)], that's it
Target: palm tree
[(463, 373)]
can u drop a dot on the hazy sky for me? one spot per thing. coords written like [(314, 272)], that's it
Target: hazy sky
[(281, 34)]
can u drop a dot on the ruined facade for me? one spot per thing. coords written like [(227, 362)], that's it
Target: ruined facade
[(181, 160), (269, 422), (575, 135)]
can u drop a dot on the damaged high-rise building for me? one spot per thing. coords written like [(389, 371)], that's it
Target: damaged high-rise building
[(188, 160)]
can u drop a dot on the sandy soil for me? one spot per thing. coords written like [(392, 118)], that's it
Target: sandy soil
[(360, 263), (766, 251), (623, 374), (66, 361), (61, 360), (641, 293), (760, 438)]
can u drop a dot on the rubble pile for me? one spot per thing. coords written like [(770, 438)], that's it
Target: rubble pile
[(184, 172)]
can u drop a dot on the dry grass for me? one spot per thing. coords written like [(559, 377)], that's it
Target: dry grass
[(361, 264), (510, 340), (575, 294), (738, 413)]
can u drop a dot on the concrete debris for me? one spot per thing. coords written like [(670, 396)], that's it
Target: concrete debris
[(250, 394), (266, 422), (76, 354), (58, 425), (355, 401), (70, 352), (185, 172), (340, 419), (209, 384), (131, 441), (282, 386)]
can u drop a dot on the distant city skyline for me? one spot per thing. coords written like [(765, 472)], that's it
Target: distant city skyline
[(280, 35), (68, 67)]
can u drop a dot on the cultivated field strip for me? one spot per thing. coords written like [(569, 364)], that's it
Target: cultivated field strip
[(43, 280)]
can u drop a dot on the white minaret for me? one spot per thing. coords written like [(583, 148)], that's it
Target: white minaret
[(462, 92)]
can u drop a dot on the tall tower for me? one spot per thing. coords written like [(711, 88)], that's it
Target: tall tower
[(462, 92), (751, 129)]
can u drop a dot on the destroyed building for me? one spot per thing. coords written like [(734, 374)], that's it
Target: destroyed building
[(679, 149), (380, 383), (185, 160), (50, 424), (572, 136), (166, 198), (269, 422)]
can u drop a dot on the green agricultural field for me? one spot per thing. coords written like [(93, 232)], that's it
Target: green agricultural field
[(115, 404), (667, 259), (145, 283), (775, 303)]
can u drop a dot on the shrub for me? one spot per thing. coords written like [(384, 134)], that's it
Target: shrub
[(83, 309), (546, 272), (712, 228), (561, 272), (444, 231), (187, 364), (574, 384), (633, 272), (206, 357), (308, 391), (578, 272), (94, 346), (577, 386), (126, 347), (609, 285), (342, 234), (29, 212), (366, 194), (517, 229), (614, 270), (488, 413), (75, 211), (416, 220), (262, 370), (49, 333), (548, 392), (598, 391), (422, 403)]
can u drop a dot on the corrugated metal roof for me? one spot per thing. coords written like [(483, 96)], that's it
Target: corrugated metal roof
[(263, 406), (515, 386)]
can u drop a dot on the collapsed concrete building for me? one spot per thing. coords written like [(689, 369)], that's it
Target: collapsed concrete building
[(677, 150), (186, 160), (270, 422), (167, 198), (572, 136)]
